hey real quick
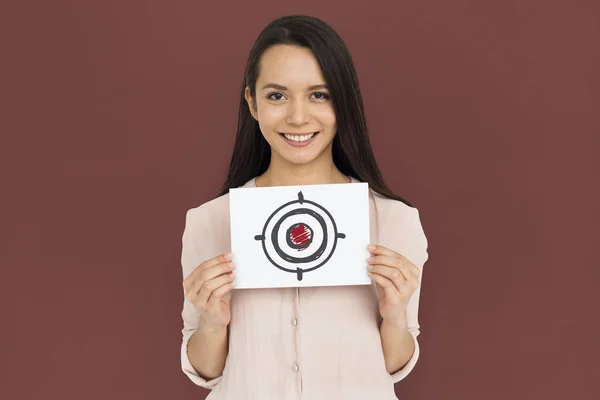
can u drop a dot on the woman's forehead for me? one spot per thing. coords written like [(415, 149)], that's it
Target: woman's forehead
[(290, 66)]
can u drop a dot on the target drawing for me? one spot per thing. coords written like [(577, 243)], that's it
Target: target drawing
[(300, 236)]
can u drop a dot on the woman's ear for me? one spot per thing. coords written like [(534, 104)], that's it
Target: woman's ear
[(251, 103)]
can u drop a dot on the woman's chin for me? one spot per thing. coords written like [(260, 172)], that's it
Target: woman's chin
[(299, 156)]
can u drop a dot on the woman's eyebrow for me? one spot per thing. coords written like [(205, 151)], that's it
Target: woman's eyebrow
[(281, 87)]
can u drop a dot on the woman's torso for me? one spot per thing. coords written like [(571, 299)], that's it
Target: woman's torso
[(302, 343)]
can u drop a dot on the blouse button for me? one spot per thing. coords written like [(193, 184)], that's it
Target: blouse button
[(296, 368), (294, 322)]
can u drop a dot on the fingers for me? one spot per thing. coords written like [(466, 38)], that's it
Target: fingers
[(215, 271), (221, 291), (401, 263), (392, 270), (390, 261), (380, 250), (386, 283), (202, 291), (221, 258), (390, 274), (392, 293)]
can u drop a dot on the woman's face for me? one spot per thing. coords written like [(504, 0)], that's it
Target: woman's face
[(293, 105)]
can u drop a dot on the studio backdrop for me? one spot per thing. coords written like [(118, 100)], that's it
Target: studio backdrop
[(119, 116)]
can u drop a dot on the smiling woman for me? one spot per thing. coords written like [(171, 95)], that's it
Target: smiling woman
[(300, 105), (298, 120), (301, 122)]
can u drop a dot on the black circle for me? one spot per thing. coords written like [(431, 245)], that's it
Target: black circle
[(298, 246), (300, 271), (299, 260)]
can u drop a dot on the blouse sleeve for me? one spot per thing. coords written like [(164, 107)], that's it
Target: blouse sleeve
[(416, 252), (190, 259)]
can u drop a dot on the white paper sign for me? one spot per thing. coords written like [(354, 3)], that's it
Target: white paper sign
[(293, 236)]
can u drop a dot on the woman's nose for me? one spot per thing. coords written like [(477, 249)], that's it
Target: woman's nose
[(298, 113)]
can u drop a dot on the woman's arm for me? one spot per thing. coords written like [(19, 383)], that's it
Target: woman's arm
[(397, 343), (207, 350), (398, 285), (206, 309)]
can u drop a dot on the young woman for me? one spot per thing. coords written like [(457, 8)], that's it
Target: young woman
[(301, 121)]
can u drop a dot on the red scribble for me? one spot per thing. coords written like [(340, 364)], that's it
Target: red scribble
[(299, 236)]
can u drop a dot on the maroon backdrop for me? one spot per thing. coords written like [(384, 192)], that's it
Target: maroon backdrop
[(118, 116)]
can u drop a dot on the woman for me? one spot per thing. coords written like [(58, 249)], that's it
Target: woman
[(301, 121)]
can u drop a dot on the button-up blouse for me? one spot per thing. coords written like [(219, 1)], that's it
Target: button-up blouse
[(308, 343)]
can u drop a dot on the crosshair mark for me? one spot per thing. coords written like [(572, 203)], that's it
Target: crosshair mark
[(299, 240)]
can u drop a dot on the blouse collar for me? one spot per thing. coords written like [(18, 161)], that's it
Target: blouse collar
[(252, 182)]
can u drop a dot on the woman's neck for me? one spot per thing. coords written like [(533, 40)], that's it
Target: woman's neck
[(279, 174)]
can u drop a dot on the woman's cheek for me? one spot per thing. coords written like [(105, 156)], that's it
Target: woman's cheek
[(269, 116)]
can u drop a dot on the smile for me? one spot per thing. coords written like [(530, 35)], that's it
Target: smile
[(299, 138)]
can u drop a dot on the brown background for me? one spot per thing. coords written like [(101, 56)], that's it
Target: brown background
[(118, 116)]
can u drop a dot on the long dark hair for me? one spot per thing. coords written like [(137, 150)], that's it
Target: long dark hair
[(351, 149)]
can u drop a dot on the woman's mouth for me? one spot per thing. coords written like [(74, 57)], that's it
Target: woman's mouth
[(299, 140)]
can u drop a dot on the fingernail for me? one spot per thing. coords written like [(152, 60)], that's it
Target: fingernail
[(232, 274), (228, 256), (231, 265), (369, 267), (370, 259), (371, 247)]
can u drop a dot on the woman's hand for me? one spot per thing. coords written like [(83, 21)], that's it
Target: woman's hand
[(396, 279), (209, 288)]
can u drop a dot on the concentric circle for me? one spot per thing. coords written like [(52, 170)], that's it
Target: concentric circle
[(300, 236)]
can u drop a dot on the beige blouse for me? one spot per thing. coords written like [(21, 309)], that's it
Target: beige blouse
[(307, 343)]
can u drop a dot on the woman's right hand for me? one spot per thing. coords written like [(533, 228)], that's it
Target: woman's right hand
[(209, 288)]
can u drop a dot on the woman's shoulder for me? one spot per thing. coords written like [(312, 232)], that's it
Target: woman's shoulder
[(211, 210), (400, 228), (207, 227), (214, 210), (397, 218), (386, 205)]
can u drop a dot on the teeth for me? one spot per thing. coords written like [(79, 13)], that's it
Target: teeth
[(299, 138)]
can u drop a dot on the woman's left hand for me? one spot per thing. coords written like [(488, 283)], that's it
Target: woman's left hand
[(396, 278)]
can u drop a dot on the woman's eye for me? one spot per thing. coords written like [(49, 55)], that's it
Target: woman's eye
[(274, 94), (279, 96), (322, 95)]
